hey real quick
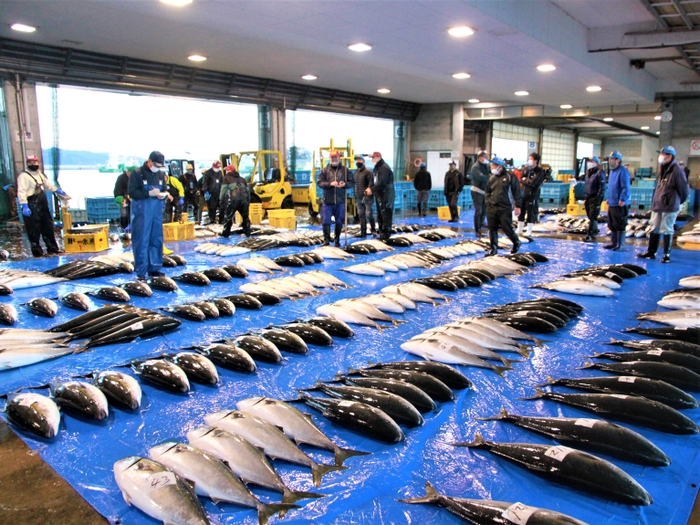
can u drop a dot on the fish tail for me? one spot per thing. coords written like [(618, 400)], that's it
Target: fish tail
[(586, 365), (503, 414), (550, 381), (524, 350), (319, 470), (478, 442), (314, 388), (342, 454), (500, 369), (81, 349), (509, 362), (267, 510), (538, 395), (291, 496), (614, 342), (431, 495)]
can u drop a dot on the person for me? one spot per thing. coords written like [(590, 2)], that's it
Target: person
[(502, 192), (595, 193), (31, 190), (273, 174), (147, 191), (211, 186), (685, 169), (480, 177), (618, 201), (333, 180), (201, 202), (235, 188), (670, 192), (383, 190), (121, 197), (423, 183), (453, 187), (364, 179), (531, 181), (189, 184), (174, 187)]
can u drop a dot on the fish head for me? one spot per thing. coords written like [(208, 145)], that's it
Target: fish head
[(158, 451), (211, 419), (246, 404), (200, 432), (129, 463)]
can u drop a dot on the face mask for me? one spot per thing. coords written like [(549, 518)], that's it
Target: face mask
[(334, 163), (360, 165), (530, 163), (155, 169), (662, 159), (485, 161), (33, 167), (217, 170), (592, 166), (495, 171)]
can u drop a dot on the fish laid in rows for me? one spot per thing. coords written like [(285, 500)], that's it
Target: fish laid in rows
[(434, 349), (690, 335), (43, 307), (658, 344), (452, 377), (432, 386), (411, 393), (165, 284), (34, 412), (76, 301), (230, 357), (347, 315), (259, 348), (111, 293), (146, 327), (195, 278), (162, 373), (285, 340), (17, 353), (309, 333), (197, 367), (137, 288), (334, 327), (688, 318), (119, 388), (688, 361), (247, 302), (80, 397), (678, 376), (577, 286)]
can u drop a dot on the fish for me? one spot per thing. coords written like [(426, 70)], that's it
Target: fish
[(196, 278), (268, 438), (197, 367), (137, 288), (347, 315), (179, 259), (577, 286), (632, 409), (452, 377), (309, 333), (526, 322), (143, 327), (442, 351), (235, 270), (31, 336), (290, 260), (6, 290), (367, 310), (570, 467), (658, 344), (80, 397), (8, 314), (165, 284), (217, 274), (334, 327), (266, 299), (34, 412), (692, 281), (285, 340), (76, 301), (432, 386), (690, 335), (680, 301), (414, 395), (22, 353), (246, 461), (254, 265), (677, 376), (361, 417), (209, 309), (119, 388), (86, 317), (163, 373), (688, 361), (111, 293), (556, 320), (689, 318), (383, 303), (43, 307), (211, 477), (168, 262), (294, 424), (597, 435), (230, 357), (365, 269), (502, 328), (158, 492), (488, 512), (224, 306), (185, 311), (257, 347), (244, 301)]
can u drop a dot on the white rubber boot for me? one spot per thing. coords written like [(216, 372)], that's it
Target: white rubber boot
[(519, 230), (529, 229)]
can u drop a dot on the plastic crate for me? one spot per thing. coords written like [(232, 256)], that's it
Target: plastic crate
[(444, 212), (282, 219), (646, 183), (256, 213), (176, 231), (78, 215), (436, 199), (398, 198), (86, 242), (102, 209)]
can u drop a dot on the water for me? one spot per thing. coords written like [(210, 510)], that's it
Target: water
[(82, 184)]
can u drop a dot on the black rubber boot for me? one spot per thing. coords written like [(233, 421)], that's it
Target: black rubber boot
[(420, 213), (613, 241), (326, 234), (338, 231), (619, 241), (373, 227), (516, 245), (493, 239), (668, 244), (654, 239), (363, 228)]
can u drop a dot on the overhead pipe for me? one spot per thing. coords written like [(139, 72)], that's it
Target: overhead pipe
[(19, 101)]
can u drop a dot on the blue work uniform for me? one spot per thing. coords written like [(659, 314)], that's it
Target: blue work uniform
[(146, 220)]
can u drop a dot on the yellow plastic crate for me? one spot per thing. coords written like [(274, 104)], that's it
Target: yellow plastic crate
[(86, 242), (576, 210), (444, 212), (282, 219), (175, 231), (256, 213)]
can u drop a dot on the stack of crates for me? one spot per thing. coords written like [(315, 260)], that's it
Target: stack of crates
[(101, 210), (282, 219), (640, 199), (178, 231), (398, 198), (554, 194), (255, 213), (436, 199), (642, 173), (78, 215), (465, 199), (645, 183)]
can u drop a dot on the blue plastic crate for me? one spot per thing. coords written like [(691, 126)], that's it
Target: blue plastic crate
[(102, 209), (398, 199)]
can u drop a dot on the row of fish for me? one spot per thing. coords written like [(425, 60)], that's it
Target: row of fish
[(598, 281), (683, 299), (20, 279)]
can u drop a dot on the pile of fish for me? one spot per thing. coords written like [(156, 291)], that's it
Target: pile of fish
[(692, 236), (303, 284), (637, 228), (598, 281), (19, 279), (86, 269)]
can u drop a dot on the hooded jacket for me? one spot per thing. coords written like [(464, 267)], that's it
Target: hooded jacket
[(503, 191), (423, 181)]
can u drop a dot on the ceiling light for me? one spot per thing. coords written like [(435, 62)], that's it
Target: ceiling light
[(608, 119), (521, 93), (309, 77), (657, 117), (460, 31), (23, 28), (461, 76), (644, 127), (546, 67), (473, 100), (593, 89), (359, 47), (383, 91), (566, 106), (658, 133), (178, 3), (197, 58)]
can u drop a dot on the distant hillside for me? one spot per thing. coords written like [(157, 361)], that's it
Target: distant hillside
[(76, 158)]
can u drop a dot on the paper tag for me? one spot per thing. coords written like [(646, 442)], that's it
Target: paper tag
[(626, 379), (610, 275), (558, 453), (680, 327), (619, 396), (159, 480), (518, 513), (520, 314), (137, 326), (583, 422), (655, 352), (345, 403)]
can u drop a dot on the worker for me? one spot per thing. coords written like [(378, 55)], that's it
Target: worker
[(211, 186), (273, 174), (479, 177), (383, 190), (147, 190), (189, 184), (423, 183), (452, 189), (364, 179), (685, 169), (618, 200), (502, 192), (201, 201), (121, 197), (595, 193), (333, 179), (237, 193), (176, 190), (670, 192), (31, 190), (531, 181)]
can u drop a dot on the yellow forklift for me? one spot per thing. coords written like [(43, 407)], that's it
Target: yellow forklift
[(265, 173), (347, 157)]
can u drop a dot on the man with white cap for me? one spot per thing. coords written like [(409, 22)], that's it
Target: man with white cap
[(618, 200), (595, 193)]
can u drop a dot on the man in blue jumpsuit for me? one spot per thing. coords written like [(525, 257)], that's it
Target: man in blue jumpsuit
[(147, 191), (618, 201)]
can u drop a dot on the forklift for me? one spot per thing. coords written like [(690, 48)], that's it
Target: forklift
[(347, 157), (269, 184)]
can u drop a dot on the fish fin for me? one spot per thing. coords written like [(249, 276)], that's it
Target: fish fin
[(319, 470), (538, 394), (502, 415), (500, 369), (539, 342), (314, 388), (508, 362), (80, 350), (550, 381), (524, 350), (291, 496), (352, 371), (586, 365), (342, 454), (267, 510), (478, 442), (431, 495), (614, 342)]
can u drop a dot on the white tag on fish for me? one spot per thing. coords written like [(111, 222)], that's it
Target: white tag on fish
[(619, 396), (346, 403), (583, 422), (558, 453), (137, 326), (610, 275), (520, 314), (518, 513), (159, 480), (626, 379), (680, 327), (655, 352)]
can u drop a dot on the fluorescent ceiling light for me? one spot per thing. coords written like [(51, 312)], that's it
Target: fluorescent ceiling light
[(460, 31), (657, 117), (608, 119), (473, 100), (566, 106), (23, 28), (521, 93), (359, 47), (309, 77), (644, 127), (178, 3), (197, 58), (658, 133), (546, 67), (593, 89), (461, 76), (383, 91)]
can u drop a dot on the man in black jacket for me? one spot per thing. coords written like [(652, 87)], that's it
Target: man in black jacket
[(502, 192), (121, 197), (453, 187), (595, 192), (189, 183), (384, 191), (334, 179), (480, 176), (211, 186), (423, 183), (364, 179), (531, 182)]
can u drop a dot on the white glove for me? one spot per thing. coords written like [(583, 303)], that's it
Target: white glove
[(155, 192)]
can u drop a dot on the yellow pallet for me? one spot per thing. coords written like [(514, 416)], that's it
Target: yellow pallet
[(175, 231), (282, 219), (444, 212)]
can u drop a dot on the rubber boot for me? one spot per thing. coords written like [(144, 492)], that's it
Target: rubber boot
[(654, 239), (516, 245), (420, 213), (363, 228), (326, 234), (613, 242), (493, 240), (373, 227), (668, 244), (338, 231), (519, 230), (620, 241), (529, 229)]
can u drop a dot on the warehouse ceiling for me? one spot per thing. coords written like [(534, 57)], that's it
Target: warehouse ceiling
[(412, 53)]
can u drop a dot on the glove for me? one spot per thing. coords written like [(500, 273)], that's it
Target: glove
[(119, 200), (207, 195), (182, 201), (127, 229), (25, 210), (154, 192), (7, 187), (60, 192)]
